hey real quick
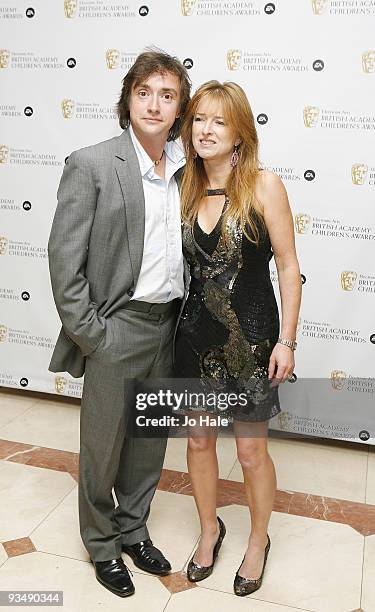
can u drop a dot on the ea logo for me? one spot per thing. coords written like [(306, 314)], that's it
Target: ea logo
[(188, 63), (28, 111), (30, 12), (24, 382), (144, 11), (293, 378), (269, 8), (309, 175), (262, 119), (25, 295), (71, 62), (372, 338), (363, 435), (26, 205), (318, 65), (303, 279)]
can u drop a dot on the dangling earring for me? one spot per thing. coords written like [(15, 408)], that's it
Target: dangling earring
[(235, 156), (194, 154)]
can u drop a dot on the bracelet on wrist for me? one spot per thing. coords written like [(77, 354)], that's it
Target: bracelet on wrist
[(291, 343)]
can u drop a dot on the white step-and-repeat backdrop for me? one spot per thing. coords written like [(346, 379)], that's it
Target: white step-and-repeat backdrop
[(308, 67)]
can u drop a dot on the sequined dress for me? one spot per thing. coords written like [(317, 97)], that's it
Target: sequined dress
[(230, 322)]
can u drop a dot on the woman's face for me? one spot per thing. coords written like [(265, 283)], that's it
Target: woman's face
[(212, 137)]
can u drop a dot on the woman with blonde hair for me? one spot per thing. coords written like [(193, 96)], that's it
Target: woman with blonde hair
[(235, 218)]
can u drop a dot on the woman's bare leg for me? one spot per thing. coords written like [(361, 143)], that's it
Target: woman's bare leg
[(260, 485), (204, 473)]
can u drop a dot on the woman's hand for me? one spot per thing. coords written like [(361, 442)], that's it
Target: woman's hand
[(281, 365)]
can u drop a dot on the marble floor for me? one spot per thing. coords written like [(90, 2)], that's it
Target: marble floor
[(322, 529)]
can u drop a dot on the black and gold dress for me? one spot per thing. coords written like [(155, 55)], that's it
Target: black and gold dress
[(230, 322)]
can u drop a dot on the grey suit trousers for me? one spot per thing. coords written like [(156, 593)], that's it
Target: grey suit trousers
[(135, 345)]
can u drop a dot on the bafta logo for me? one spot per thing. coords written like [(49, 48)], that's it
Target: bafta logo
[(67, 107), (3, 245), (4, 58), (302, 222), (70, 8), (348, 280), (368, 62), (234, 57), (311, 116), (285, 420), (4, 150), (187, 7), (359, 174), (338, 378), (60, 384), (112, 57), (3, 333), (319, 6)]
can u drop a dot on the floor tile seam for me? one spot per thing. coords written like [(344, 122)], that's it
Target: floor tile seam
[(363, 567), (18, 415), (366, 481), (4, 562), (275, 603), (232, 469), (169, 599), (52, 510)]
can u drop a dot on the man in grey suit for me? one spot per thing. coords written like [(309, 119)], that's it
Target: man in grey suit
[(117, 277)]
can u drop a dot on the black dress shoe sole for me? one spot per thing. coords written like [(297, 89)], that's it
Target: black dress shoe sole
[(114, 591)]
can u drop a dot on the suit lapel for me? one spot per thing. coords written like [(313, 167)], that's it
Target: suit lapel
[(129, 176)]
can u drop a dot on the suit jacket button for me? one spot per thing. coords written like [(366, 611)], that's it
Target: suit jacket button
[(130, 292)]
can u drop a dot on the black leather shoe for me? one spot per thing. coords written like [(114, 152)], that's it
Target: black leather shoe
[(196, 572), (148, 558), (245, 586), (114, 576)]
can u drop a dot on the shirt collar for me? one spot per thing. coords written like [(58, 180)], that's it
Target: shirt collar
[(173, 150)]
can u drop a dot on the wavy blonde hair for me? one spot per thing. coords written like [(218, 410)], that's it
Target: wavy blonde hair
[(240, 187)]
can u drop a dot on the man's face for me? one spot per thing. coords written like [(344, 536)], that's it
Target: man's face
[(154, 105)]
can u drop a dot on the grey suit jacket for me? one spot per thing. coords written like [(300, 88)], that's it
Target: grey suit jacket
[(95, 246)]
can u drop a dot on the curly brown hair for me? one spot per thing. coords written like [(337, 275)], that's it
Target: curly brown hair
[(148, 62)]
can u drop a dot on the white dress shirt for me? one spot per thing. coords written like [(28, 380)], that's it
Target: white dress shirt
[(161, 276)]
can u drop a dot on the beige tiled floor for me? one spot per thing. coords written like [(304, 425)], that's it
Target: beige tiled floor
[(314, 565), (12, 406), (318, 469), (82, 593), (216, 601), (28, 495), (46, 423), (368, 585)]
